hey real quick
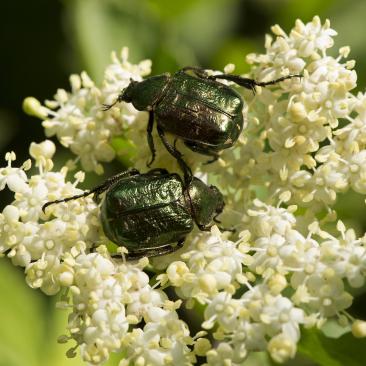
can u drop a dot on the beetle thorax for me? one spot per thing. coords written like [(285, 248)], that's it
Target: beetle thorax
[(147, 93)]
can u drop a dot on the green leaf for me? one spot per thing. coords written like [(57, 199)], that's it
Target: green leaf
[(55, 353), (257, 359), (345, 350), (99, 27), (235, 51), (125, 150), (22, 319), (30, 325), (202, 30), (171, 9), (349, 22), (171, 33), (306, 10)]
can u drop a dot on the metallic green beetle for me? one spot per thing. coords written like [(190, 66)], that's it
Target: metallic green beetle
[(204, 113), (149, 212)]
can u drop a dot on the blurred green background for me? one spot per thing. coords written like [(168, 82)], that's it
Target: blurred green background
[(43, 41)]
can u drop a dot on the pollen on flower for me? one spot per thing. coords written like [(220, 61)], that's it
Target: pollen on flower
[(202, 346), (281, 348)]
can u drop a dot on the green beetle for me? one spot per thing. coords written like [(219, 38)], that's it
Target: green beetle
[(204, 113), (149, 212)]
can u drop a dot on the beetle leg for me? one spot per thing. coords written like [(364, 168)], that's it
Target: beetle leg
[(208, 228), (251, 83), (177, 154), (215, 219), (110, 181), (180, 244), (203, 149), (160, 171), (97, 190), (231, 229), (150, 139), (244, 82), (215, 156), (275, 81), (205, 227), (198, 71)]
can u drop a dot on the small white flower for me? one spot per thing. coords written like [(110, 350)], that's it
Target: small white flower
[(14, 178), (312, 37), (160, 343), (211, 263), (281, 348)]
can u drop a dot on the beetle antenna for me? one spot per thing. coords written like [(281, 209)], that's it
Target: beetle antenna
[(230, 229), (106, 107)]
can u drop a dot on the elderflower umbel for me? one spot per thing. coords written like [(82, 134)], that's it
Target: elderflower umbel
[(290, 263)]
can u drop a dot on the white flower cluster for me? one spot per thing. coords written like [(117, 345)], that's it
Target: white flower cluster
[(293, 146), (30, 237), (77, 118), (209, 264), (312, 267), (246, 323), (107, 297), (287, 268), (278, 258)]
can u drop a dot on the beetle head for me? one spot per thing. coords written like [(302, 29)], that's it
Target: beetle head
[(207, 202), (218, 197), (127, 93), (144, 94)]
